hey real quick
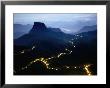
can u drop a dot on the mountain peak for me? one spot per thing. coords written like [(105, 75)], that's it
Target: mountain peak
[(38, 26)]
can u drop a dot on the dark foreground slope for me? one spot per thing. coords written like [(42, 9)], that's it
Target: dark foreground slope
[(43, 42)]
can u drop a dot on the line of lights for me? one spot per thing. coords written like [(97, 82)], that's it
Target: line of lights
[(26, 50), (33, 47), (46, 63)]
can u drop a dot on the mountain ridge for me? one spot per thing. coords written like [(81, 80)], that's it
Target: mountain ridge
[(40, 32)]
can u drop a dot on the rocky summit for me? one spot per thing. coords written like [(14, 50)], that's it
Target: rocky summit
[(38, 26)]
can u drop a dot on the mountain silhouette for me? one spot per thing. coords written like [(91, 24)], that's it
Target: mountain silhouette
[(51, 39), (88, 28), (50, 42), (46, 39), (38, 26), (20, 29)]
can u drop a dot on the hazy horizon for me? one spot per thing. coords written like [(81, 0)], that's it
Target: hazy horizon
[(68, 22)]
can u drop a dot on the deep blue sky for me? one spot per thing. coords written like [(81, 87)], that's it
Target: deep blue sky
[(68, 22)]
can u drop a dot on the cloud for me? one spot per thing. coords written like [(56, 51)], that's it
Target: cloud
[(69, 22), (71, 17)]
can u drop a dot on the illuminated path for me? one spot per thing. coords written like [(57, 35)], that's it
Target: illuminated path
[(45, 61)]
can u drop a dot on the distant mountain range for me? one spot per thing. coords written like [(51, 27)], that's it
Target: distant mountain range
[(51, 39), (41, 41), (43, 37), (39, 32), (87, 29), (20, 29)]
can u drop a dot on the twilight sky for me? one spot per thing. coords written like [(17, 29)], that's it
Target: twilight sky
[(68, 22)]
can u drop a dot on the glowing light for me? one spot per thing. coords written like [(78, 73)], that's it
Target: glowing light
[(66, 49), (87, 69), (22, 51), (61, 54), (52, 57), (67, 66), (42, 59), (48, 65), (33, 47), (49, 58), (70, 52), (56, 69)]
